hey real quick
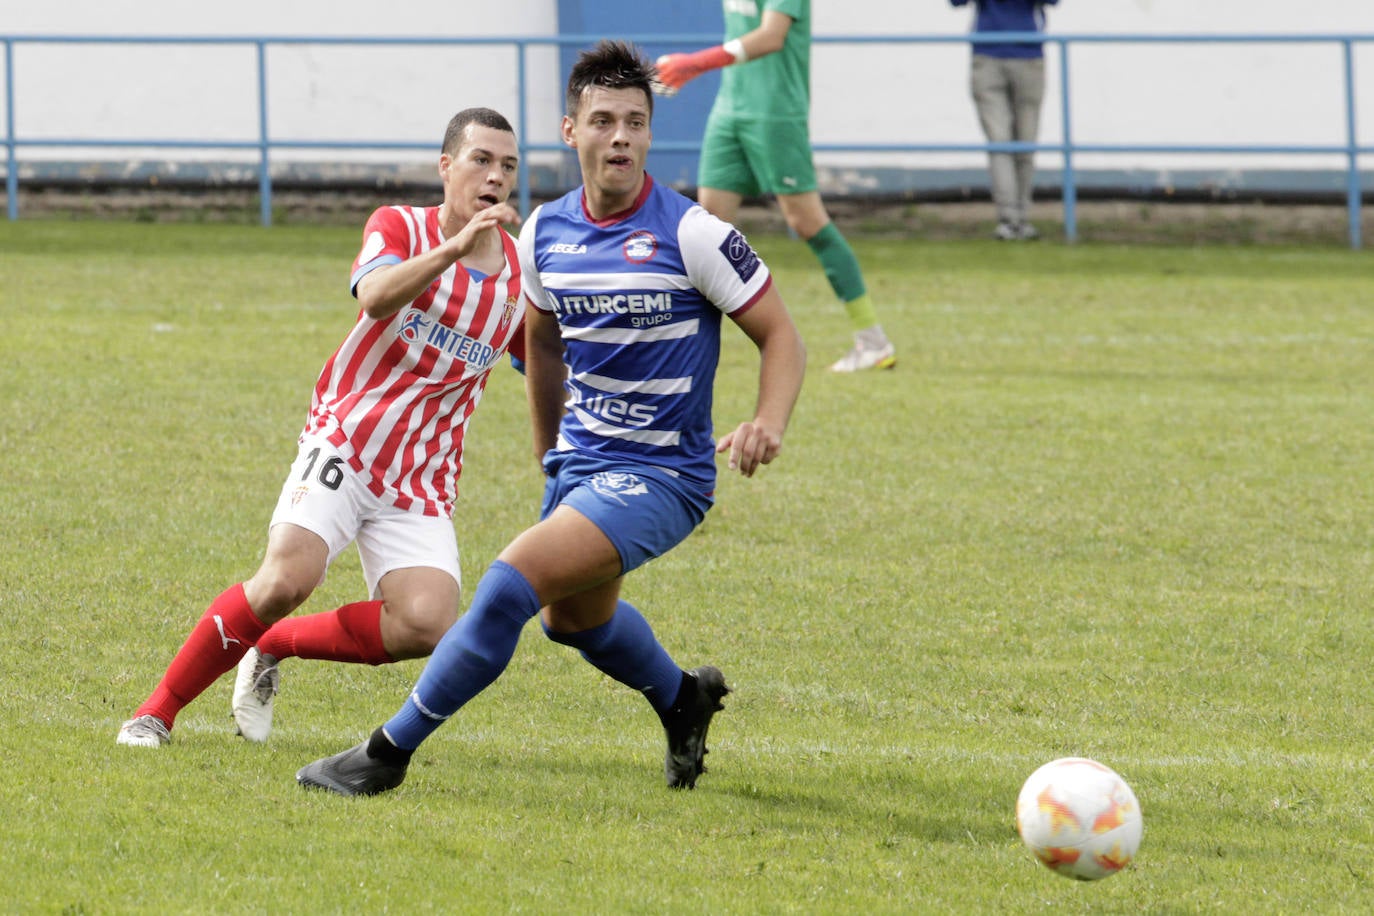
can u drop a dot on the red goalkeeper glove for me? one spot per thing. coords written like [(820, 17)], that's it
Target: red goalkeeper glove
[(675, 70)]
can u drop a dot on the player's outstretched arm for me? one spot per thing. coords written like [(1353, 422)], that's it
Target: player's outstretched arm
[(782, 365), (676, 70)]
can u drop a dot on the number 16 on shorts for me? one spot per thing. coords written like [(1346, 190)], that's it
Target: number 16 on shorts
[(321, 492)]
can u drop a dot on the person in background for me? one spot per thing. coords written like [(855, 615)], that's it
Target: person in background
[(628, 285), (1007, 81), (758, 141), (379, 458)]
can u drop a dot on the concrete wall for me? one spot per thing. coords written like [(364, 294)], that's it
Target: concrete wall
[(1157, 93)]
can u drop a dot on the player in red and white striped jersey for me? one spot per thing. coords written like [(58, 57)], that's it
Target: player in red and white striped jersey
[(380, 456)]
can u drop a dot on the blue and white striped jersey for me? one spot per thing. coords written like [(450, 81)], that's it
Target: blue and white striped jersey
[(639, 299)]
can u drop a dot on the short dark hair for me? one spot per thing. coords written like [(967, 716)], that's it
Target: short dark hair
[(483, 117), (610, 65)]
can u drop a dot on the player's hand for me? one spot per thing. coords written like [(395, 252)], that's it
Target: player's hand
[(673, 73), (750, 445), (484, 220), (676, 70)]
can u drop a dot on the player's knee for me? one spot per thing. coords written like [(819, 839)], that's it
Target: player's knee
[(275, 591), (413, 632), (431, 630), (807, 226)]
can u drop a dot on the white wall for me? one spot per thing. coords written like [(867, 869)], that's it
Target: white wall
[(317, 93), (1122, 93), (1158, 93)]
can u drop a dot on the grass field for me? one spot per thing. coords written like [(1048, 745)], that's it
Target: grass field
[(1113, 502)]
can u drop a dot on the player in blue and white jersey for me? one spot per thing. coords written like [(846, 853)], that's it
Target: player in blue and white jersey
[(644, 293), (628, 282)]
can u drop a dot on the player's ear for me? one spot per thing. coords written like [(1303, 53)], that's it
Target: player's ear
[(568, 132), (445, 160)]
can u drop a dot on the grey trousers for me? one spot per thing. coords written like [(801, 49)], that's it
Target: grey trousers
[(1007, 93)]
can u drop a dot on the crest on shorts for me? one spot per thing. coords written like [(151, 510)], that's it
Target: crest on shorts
[(616, 485)]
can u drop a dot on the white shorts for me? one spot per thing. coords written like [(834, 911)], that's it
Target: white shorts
[(324, 495)]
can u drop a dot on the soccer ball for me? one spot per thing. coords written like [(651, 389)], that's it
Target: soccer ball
[(1079, 818)]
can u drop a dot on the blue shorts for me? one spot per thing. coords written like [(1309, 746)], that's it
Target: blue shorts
[(643, 510)]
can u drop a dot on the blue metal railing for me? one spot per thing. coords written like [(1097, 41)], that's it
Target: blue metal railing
[(1067, 147)]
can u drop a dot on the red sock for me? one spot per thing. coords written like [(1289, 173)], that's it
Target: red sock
[(353, 633), (217, 642)]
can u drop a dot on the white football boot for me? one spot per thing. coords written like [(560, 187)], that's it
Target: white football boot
[(255, 687)]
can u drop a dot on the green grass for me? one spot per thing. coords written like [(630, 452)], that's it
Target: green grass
[(1114, 502)]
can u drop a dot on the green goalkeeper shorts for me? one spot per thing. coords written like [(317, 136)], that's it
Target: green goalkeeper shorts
[(754, 157)]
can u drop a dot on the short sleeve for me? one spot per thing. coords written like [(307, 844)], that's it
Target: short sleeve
[(387, 239), (794, 9), (529, 269), (720, 262)]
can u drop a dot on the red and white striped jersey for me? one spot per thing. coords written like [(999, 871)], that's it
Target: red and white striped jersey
[(397, 395)]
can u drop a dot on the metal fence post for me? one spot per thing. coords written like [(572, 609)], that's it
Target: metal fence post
[(1070, 189), (522, 125), (11, 158), (1352, 175), (264, 156)]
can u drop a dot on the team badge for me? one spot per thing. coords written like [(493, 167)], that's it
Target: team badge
[(298, 494), (640, 246), (740, 255), (508, 312), (617, 485)]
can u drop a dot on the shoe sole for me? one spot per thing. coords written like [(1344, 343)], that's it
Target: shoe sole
[(323, 784), (316, 776), (125, 739), (889, 362), (309, 781)]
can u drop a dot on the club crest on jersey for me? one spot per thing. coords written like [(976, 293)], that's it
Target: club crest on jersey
[(740, 255), (616, 485), (640, 246), (508, 312), (298, 494)]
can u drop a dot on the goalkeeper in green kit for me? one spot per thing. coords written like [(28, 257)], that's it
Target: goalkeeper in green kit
[(757, 142)]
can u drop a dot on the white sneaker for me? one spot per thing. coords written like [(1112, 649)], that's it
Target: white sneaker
[(255, 686), (865, 356), (143, 731)]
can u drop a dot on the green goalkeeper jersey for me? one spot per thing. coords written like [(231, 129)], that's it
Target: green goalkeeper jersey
[(777, 86)]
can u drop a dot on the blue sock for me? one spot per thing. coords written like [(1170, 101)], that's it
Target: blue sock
[(625, 648), (472, 654)]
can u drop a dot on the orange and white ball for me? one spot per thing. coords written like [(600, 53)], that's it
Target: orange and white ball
[(1079, 818)]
